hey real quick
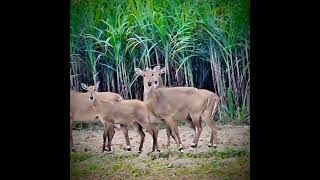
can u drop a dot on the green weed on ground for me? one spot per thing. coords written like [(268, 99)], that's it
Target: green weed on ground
[(227, 164)]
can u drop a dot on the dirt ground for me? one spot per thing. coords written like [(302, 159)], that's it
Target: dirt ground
[(230, 160), (229, 136)]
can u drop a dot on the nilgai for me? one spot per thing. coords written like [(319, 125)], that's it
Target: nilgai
[(81, 109), (175, 103), (209, 113), (123, 112)]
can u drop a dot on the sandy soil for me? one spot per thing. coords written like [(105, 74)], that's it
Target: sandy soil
[(229, 136)]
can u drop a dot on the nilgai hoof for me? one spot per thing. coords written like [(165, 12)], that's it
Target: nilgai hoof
[(128, 148), (139, 151), (193, 145), (180, 148), (158, 150), (73, 149), (106, 149), (210, 145), (214, 145)]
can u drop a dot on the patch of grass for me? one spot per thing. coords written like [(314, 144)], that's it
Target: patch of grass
[(225, 164), (78, 171), (243, 116), (92, 167), (164, 154), (229, 152), (183, 171), (146, 173), (83, 125), (233, 169), (116, 166), (98, 165), (80, 156), (119, 157), (226, 153), (204, 169), (82, 166), (133, 170)]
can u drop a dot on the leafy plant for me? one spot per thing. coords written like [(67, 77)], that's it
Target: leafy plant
[(204, 44)]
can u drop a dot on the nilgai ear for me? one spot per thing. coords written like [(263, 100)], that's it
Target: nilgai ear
[(84, 86), (96, 86), (138, 71), (156, 68), (163, 70)]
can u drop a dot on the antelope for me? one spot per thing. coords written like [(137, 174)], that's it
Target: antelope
[(123, 112), (207, 115), (81, 109), (175, 103)]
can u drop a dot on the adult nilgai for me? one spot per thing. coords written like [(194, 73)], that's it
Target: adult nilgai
[(208, 114), (81, 108), (123, 112), (170, 104)]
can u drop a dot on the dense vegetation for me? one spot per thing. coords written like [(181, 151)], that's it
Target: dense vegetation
[(203, 43)]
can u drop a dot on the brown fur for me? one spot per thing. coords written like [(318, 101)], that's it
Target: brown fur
[(207, 115), (173, 103), (81, 108), (123, 112)]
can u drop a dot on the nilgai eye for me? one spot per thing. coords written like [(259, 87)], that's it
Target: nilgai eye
[(94, 90), (144, 75), (151, 74)]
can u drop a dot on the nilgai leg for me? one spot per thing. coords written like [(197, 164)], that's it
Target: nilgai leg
[(138, 128), (124, 129), (174, 131), (197, 123)]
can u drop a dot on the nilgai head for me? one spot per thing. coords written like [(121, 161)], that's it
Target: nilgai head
[(157, 72), (91, 90), (147, 76), (150, 76)]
